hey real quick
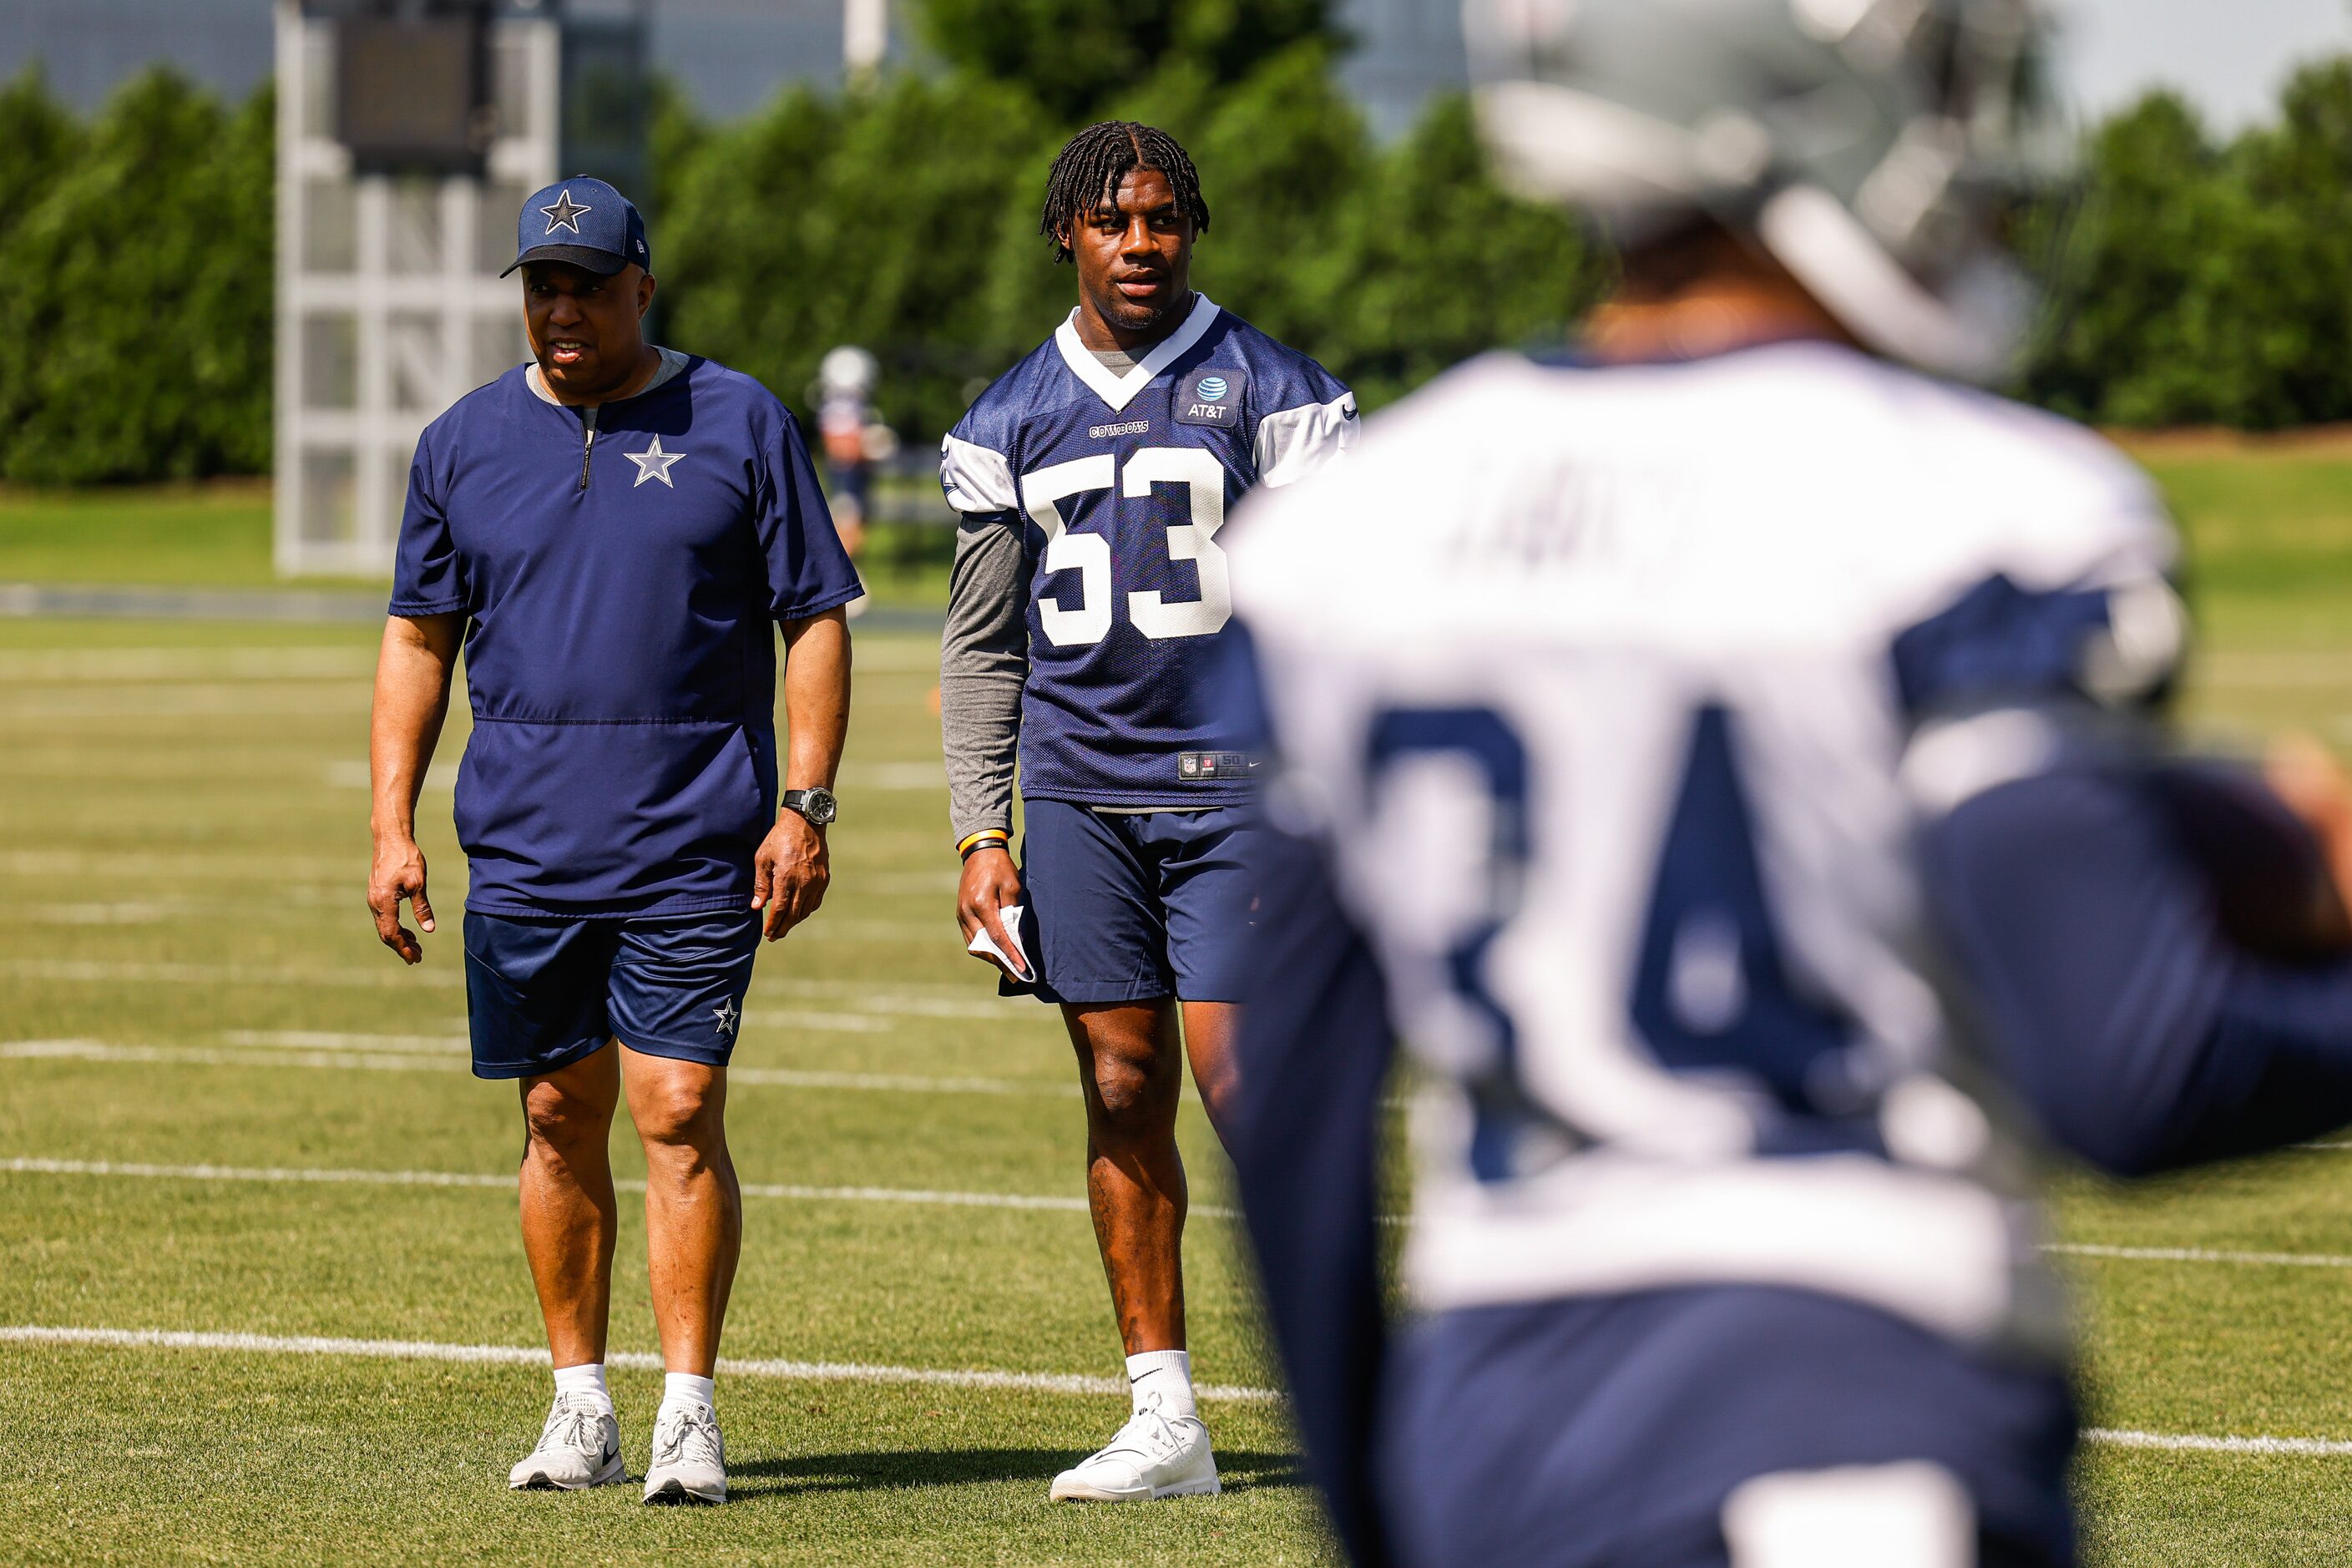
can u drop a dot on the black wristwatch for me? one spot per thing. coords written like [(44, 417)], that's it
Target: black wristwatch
[(817, 805)]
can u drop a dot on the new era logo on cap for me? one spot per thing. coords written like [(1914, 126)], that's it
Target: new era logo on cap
[(583, 222)]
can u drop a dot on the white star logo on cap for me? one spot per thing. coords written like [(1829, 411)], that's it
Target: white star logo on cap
[(565, 213), (652, 463)]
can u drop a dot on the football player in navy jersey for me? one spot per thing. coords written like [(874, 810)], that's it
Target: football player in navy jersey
[(1726, 758), (612, 534), (1089, 587)]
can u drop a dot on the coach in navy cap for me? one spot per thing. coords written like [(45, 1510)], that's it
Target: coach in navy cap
[(610, 532)]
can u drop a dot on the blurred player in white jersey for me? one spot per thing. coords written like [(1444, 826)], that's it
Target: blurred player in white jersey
[(1726, 759)]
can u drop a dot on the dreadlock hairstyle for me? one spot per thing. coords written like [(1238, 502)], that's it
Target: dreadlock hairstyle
[(1089, 169)]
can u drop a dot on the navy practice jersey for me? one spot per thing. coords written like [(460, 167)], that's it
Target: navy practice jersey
[(621, 583), (1120, 485), (1653, 675)]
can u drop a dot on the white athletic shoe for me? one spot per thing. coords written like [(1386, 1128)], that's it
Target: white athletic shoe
[(579, 1448), (689, 1458), (1152, 1457)]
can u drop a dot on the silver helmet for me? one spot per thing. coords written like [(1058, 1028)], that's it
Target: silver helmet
[(1875, 148)]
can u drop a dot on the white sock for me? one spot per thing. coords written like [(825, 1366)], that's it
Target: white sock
[(587, 1380), (1168, 1374), (685, 1388)]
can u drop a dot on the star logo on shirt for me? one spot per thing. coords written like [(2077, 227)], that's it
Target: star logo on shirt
[(728, 1016), (565, 213), (652, 463)]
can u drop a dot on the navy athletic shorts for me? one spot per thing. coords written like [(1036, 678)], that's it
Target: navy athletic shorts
[(1613, 1431), (1130, 907), (544, 993)]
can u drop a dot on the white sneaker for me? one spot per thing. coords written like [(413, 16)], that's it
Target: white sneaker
[(579, 1448), (689, 1458), (1152, 1457)]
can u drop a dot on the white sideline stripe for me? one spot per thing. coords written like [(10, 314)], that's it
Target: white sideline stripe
[(444, 1060), (528, 1355), (28, 1166), (2202, 1254), (857, 1371), (2116, 1438)]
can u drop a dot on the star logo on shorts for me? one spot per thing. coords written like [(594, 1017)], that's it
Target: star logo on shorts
[(652, 463), (728, 1016), (565, 213)]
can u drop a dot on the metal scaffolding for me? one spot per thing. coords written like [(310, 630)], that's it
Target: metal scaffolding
[(389, 303)]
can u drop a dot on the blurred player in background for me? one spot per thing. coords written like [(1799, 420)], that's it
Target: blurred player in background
[(611, 532), (1089, 586), (855, 441), (1725, 759)]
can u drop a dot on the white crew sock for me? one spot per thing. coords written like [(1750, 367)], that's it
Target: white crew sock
[(587, 1379), (685, 1388), (1167, 1374)]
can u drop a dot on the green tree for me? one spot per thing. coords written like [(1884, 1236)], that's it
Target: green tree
[(1437, 264), (1072, 56), (137, 299), (42, 140), (864, 220)]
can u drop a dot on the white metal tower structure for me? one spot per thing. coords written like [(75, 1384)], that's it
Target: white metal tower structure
[(389, 302)]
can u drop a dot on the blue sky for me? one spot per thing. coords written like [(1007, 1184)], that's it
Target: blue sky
[(2230, 55)]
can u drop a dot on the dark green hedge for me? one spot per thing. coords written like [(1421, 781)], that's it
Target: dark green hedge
[(2199, 281), (136, 269)]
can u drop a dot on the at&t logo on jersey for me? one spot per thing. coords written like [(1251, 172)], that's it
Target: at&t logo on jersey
[(1212, 397)]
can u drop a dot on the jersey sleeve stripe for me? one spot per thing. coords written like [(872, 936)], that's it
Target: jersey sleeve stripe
[(976, 479), (1296, 443)]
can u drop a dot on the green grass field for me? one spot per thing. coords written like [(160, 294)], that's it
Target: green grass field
[(224, 1112)]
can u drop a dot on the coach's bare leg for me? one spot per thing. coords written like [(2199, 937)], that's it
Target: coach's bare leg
[(694, 1209), (1132, 1069), (569, 1215)]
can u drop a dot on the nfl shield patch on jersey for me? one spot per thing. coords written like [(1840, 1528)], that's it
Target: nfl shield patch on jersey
[(1211, 396)]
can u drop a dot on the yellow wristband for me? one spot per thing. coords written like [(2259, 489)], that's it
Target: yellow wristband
[(985, 838)]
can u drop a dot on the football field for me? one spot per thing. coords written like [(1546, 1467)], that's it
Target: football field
[(262, 1297)]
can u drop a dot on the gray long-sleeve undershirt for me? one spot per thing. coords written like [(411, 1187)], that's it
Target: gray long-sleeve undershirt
[(985, 661), (983, 665)]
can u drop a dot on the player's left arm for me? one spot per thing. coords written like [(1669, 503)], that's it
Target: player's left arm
[(2058, 837), (791, 870), (1314, 425)]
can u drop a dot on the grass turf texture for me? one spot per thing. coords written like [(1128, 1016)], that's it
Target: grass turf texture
[(181, 844)]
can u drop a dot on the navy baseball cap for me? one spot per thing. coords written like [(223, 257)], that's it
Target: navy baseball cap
[(585, 222)]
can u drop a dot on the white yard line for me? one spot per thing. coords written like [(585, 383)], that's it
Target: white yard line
[(104, 705), (439, 1059), (530, 1355), (860, 1372), (791, 1192), (845, 997), (294, 662), (2200, 1254), (2114, 1438)]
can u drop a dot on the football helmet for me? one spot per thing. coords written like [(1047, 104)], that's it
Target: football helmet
[(1877, 149)]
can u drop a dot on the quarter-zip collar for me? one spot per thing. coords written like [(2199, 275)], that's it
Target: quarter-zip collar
[(673, 366)]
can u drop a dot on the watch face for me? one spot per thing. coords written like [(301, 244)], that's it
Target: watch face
[(819, 806)]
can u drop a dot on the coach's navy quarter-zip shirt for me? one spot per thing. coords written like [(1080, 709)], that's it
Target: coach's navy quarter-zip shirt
[(622, 569)]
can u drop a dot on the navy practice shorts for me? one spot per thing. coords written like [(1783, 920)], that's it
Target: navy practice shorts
[(1126, 908), (544, 993), (1612, 1431)]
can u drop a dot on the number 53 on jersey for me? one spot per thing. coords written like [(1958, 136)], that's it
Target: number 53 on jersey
[(1089, 554)]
